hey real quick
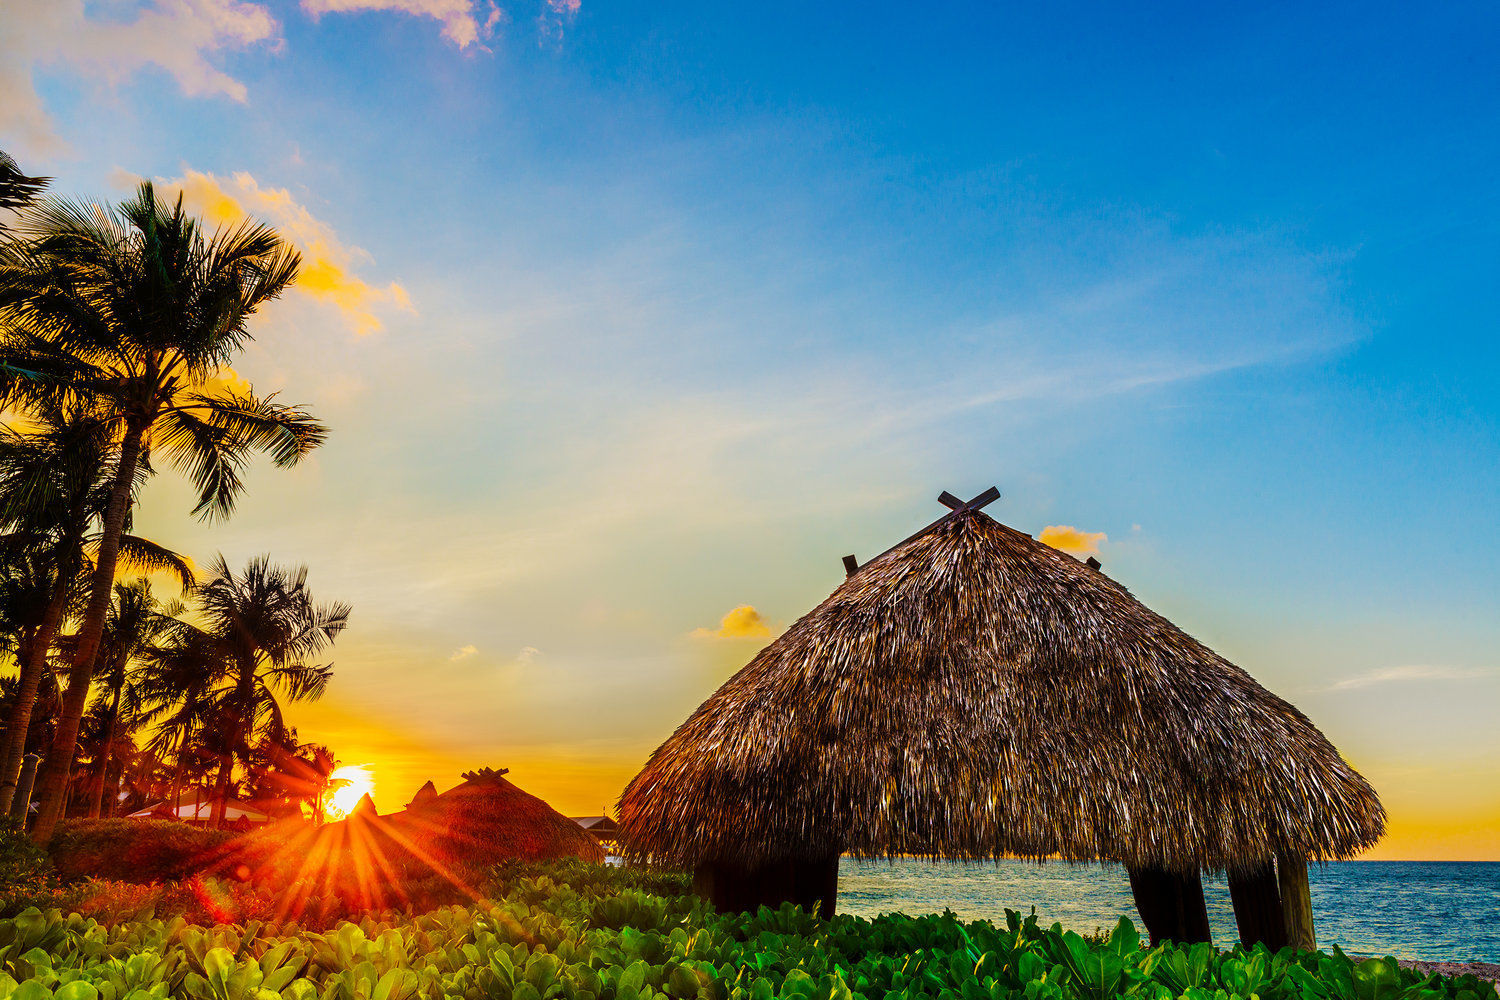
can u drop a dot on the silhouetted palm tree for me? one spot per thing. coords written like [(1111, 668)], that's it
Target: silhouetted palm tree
[(136, 619), (174, 682), (135, 311), (256, 629), (56, 478), (306, 776), (16, 189)]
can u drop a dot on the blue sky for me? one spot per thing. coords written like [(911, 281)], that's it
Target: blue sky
[(703, 297)]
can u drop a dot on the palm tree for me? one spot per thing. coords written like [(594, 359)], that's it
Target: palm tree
[(175, 681), (135, 310), (136, 619), (56, 479), (16, 189), (107, 746), (257, 629), (307, 777)]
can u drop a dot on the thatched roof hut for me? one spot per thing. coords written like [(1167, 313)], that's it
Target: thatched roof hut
[(425, 794), (486, 819), (973, 693)]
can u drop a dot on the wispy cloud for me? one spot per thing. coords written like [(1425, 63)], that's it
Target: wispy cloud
[(328, 262), (460, 19), (1406, 674), (181, 38), (463, 653), (555, 18), (186, 39), (743, 622), (1071, 540)]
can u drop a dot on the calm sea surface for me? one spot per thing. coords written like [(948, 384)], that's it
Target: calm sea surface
[(1437, 910)]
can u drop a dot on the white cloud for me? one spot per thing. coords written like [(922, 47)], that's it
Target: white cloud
[(463, 653), (1407, 674), (459, 18), (555, 17), (185, 39), (179, 37)]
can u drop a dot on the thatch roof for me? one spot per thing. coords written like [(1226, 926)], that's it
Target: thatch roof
[(974, 693), (486, 818), (426, 793)]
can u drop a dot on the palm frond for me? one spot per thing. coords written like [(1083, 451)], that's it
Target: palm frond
[(17, 190), (207, 455), (143, 555), (287, 432)]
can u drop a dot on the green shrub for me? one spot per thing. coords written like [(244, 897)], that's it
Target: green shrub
[(586, 876), (541, 941), (21, 861), (136, 850)]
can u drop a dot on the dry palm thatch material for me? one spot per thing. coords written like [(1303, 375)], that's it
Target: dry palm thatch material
[(974, 693), (425, 794), (486, 818)]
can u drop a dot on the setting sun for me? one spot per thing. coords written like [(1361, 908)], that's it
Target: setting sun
[(356, 781)]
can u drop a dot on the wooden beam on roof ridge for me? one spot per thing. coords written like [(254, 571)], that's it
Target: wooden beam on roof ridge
[(984, 499), (957, 506)]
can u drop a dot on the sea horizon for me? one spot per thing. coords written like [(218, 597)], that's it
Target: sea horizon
[(1427, 910)]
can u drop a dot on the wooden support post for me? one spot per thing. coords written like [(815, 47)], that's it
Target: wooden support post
[(1257, 906), (1192, 909), (1171, 905), (812, 885), (1296, 902)]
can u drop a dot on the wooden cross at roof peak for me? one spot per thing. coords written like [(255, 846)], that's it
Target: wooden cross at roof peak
[(955, 507)]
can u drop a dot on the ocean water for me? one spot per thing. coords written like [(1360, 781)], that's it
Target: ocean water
[(1434, 910)]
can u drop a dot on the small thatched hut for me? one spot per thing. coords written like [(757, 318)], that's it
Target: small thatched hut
[(486, 818), (975, 694), (425, 794)]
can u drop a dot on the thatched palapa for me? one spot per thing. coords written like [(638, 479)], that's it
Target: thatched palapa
[(487, 819), (975, 694)]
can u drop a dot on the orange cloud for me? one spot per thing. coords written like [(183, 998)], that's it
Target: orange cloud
[(743, 622), (226, 379), (327, 262), (459, 24), (1069, 539)]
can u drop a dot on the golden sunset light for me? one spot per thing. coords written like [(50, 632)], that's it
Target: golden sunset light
[(351, 782), (567, 500)]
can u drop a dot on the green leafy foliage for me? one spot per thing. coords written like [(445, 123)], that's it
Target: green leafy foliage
[(132, 850), (572, 933), (21, 861)]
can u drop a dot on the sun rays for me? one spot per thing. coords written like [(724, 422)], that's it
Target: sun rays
[(350, 783)]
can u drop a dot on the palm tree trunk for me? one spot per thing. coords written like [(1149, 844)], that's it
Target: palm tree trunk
[(109, 742), (14, 746), (221, 789), (243, 697), (112, 790), (54, 782), (177, 787)]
